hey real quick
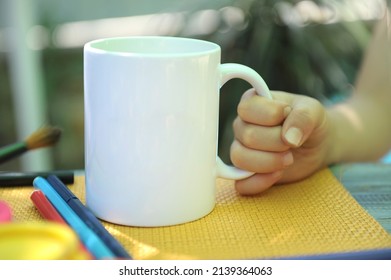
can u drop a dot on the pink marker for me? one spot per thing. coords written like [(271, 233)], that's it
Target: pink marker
[(5, 212)]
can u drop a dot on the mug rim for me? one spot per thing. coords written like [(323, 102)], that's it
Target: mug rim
[(102, 46)]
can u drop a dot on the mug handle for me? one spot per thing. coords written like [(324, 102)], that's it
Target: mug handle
[(230, 71)]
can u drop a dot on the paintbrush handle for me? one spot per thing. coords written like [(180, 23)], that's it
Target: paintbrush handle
[(12, 151), (22, 179)]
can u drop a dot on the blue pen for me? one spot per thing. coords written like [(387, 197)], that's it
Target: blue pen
[(90, 240), (87, 217)]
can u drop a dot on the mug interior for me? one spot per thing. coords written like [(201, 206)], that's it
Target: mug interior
[(154, 46)]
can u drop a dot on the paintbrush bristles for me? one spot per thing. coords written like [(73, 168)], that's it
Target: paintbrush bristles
[(43, 137)]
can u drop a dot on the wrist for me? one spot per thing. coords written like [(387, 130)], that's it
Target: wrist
[(334, 140)]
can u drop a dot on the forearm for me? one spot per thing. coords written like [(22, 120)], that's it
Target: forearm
[(360, 130), (361, 127)]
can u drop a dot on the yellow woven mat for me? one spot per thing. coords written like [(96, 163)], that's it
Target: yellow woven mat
[(313, 216)]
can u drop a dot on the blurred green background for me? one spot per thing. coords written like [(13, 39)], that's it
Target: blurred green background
[(307, 47)]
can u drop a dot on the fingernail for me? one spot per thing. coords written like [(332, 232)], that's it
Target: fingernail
[(294, 136), (287, 159)]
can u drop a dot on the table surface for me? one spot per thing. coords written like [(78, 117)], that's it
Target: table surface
[(370, 185)]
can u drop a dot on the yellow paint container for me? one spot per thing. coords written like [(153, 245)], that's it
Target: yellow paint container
[(39, 241)]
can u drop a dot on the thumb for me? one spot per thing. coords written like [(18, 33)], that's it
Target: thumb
[(301, 121)]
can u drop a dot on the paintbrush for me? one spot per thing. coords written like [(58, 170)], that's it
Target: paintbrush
[(43, 137)]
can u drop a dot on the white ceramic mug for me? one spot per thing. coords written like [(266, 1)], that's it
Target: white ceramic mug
[(151, 128)]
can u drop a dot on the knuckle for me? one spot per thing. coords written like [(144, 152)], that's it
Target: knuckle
[(303, 115), (306, 112), (236, 125), (236, 154), (243, 108), (249, 137), (275, 113), (276, 162)]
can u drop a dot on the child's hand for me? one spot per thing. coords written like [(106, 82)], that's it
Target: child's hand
[(282, 140)]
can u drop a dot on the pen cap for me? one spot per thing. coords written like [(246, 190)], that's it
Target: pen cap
[(5, 212), (39, 241)]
